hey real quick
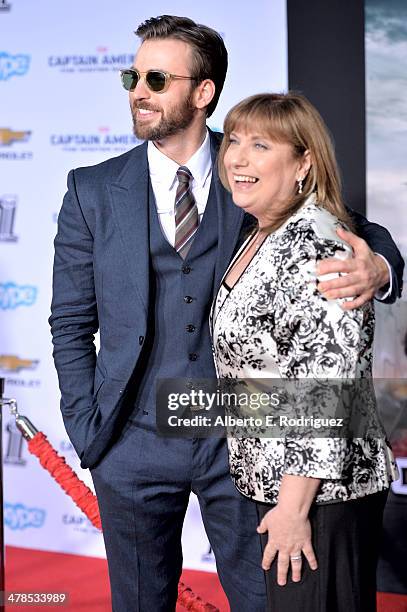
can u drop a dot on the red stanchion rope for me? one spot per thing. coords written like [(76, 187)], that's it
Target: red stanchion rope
[(188, 600), (56, 465), (86, 500)]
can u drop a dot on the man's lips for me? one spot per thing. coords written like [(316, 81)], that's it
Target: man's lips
[(145, 113)]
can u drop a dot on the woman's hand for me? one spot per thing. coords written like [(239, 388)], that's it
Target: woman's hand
[(289, 537)]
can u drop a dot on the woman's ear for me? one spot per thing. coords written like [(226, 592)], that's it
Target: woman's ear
[(305, 164)]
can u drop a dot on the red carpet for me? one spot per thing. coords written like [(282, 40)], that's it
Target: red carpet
[(86, 581)]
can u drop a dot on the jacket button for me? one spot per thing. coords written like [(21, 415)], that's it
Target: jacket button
[(193, 356), (186, 269), (188, 299), (190, 328), (140, 340)]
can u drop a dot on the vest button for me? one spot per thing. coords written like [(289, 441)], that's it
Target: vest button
[(188, 299), (190, 328), (186, 269), (140, 340), (193, 356)]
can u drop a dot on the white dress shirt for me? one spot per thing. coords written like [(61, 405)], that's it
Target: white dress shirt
[(381, 295), (164, 181)]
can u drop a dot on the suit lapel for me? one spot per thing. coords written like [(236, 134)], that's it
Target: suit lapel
[(129, 201), (230, 217)]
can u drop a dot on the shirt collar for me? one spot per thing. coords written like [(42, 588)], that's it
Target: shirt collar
[(200, 164), (163, 170)]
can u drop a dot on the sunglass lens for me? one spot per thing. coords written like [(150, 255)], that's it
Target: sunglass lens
[(129, 79), (156, 80)]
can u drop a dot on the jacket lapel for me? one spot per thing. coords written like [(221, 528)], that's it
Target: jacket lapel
[(129, 201), (230, 217)]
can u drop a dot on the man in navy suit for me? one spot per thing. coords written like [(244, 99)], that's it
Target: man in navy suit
[(121, 267)]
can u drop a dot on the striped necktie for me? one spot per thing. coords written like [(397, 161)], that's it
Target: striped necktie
[(186, 213)]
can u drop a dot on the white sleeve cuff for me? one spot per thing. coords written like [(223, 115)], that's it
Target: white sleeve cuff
[(382, 295)]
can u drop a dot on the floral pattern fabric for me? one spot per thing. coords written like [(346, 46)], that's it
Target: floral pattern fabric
[(274, 323)]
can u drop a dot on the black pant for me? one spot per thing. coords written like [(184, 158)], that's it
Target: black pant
[(346, 540)]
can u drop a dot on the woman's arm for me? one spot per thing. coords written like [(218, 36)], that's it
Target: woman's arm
[(316, 339)]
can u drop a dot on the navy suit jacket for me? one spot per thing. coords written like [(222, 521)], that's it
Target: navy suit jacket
[(101, 282)]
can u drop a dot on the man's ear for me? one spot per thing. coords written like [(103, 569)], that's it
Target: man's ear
[(204, 93)]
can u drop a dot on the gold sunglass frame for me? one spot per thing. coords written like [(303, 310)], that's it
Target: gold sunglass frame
[(168, 77)]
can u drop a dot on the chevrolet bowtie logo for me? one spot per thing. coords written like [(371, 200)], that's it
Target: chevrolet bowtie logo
[(12, 363), (7, 136)]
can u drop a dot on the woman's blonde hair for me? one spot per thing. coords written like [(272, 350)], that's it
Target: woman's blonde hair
[(291, 118)]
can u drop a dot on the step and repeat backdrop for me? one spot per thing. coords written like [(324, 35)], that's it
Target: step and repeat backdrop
[(62, 106)]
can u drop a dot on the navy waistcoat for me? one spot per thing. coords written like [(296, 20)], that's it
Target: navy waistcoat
[(178, 342)]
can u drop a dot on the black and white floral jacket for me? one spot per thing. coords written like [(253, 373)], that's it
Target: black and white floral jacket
[(274, 323)]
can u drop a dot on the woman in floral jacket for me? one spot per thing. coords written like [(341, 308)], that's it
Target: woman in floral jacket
[(320, 500)]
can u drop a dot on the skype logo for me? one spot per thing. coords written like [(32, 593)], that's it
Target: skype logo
[(19, 517), (13, 65)]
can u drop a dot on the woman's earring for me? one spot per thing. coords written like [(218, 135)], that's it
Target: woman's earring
[(299, 185)]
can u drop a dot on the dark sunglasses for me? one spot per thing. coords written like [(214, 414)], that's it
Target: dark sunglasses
[(156, 80)]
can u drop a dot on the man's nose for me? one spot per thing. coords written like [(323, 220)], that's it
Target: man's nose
[(141, 91)]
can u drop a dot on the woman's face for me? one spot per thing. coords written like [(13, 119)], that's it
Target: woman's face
[(262, 173)]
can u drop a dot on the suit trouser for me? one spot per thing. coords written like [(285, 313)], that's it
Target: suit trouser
[(346, 539), (143, 486)]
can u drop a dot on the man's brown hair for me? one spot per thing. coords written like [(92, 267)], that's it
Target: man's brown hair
[(209, 55)]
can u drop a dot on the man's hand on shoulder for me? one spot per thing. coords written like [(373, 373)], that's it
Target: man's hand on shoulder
[(362, 276)]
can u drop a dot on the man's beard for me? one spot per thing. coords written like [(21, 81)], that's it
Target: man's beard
[(177, 119)]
